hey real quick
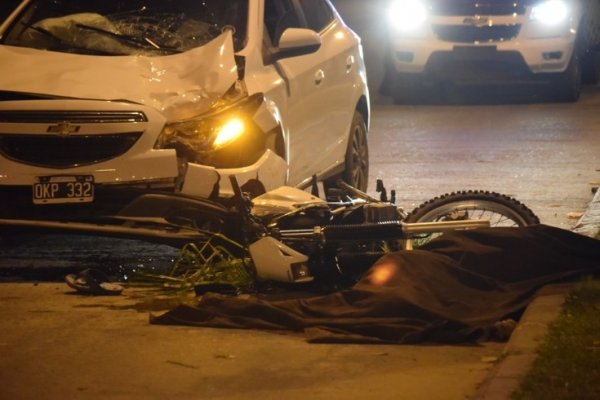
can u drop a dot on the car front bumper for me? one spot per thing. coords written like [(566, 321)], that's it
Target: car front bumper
[(514, 49)]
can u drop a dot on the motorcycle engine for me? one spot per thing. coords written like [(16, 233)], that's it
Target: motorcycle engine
[(380, 212)]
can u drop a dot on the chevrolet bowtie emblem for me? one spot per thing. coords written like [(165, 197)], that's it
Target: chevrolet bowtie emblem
[(478, 21), (63, 129)]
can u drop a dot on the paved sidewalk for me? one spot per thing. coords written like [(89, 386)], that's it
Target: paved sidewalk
[(521, 350), (55, 344)]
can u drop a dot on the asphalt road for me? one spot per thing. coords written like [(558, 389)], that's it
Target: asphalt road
[(547, 155)]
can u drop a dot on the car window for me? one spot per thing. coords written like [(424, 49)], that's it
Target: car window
[(280, 15), (127, 27), (318, 14)]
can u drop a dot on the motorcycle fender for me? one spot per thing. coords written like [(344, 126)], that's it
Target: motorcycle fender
[(275, 261)]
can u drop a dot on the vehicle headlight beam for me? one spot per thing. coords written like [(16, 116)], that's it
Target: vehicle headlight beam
[(550, 12), (229, 132), (407, 15)]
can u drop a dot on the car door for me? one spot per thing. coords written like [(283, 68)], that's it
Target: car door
[(339, 57), (306, 102)]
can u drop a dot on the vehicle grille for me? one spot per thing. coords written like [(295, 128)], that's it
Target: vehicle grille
[(55, 151), (67, 150), (483, 7), (74, 117), (472, 34)]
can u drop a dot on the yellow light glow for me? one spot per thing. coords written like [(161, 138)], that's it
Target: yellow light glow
[(229, 132), (382, 273)]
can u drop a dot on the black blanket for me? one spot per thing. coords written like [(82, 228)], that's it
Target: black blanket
[(451, 290)]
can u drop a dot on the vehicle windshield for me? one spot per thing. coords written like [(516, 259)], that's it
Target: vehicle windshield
[(126, 27)]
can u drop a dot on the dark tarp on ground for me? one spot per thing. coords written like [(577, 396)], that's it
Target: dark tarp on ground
[(449, 291)]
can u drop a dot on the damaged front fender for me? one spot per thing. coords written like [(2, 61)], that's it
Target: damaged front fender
[(244, 139)]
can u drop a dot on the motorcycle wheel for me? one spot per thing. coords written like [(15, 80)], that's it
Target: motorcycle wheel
[(499, 209)]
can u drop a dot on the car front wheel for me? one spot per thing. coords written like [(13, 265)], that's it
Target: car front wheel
[(568, 84), (356, 171), (356, 162)]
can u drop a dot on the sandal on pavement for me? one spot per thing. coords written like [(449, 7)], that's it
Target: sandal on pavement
[(93, 281)]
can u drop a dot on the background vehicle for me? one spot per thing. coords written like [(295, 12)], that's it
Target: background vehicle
[(101, 102), (554, 43)]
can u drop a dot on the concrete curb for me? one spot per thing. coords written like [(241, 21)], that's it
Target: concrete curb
[(589, 223), (521, 350)]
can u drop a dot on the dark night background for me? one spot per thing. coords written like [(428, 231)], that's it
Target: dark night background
[(6, 6)]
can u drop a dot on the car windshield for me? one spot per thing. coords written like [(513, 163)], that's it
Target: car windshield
[(126, 27)]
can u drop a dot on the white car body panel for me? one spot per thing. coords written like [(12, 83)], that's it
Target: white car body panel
[(317, 85), (200, 179), (179, 86), (283, 200), (297, 100)]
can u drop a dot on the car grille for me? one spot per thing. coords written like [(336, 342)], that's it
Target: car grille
[(472, 34), (73, 117), (483, 7), (64, 146), (54, 151)]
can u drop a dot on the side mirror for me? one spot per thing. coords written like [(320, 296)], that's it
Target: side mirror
[(296, 42)]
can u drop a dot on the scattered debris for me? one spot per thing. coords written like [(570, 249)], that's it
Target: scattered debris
[(489, 359), (180, 364), (206, 265), (93, 281), (225, 356)]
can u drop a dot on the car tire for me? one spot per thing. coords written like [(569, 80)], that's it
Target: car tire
[(403, 88), (568, 83), (590, 67), (407, 89), (356, 161)]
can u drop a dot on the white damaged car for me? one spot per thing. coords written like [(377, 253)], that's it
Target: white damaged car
[(102, 102)]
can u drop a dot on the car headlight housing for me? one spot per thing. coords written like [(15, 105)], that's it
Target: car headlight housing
[(407, 15), (224, 137), (550, 12)]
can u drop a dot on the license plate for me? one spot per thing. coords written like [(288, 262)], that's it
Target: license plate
[(475, 52), (64, 189)]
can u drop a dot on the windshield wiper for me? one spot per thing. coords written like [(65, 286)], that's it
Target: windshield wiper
[(44, 32), (62, 42), (144, 43)]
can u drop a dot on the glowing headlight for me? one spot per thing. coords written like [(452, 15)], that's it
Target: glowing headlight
[(214, 130), (204, 135), (550, 12), (228, 133), (407, 15)]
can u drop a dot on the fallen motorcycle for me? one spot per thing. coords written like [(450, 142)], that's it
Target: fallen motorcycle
[(296, 237), (291, 236)]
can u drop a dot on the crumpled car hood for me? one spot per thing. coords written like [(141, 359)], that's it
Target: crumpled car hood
[(179, 85)]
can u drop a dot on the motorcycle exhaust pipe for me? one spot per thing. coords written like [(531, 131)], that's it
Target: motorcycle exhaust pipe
[(382, 231)]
